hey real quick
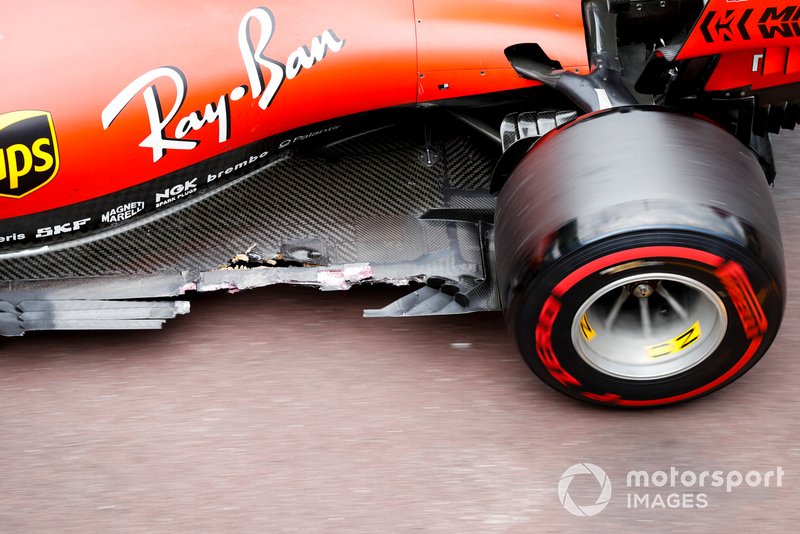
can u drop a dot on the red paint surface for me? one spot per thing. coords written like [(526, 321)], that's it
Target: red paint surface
[(72, 59), (461, 42), (732, 29), (758, 43), (82, 54)]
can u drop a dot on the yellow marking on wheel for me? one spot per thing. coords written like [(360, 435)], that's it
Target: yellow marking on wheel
[(676, 344), (586, 329)]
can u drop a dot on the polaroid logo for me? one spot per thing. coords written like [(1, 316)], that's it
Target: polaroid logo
[(28, 152), (123, 212), (287, 142), (176, 192)]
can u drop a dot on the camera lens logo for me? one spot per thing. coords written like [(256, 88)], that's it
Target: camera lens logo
[(28, 152), (602, 499)]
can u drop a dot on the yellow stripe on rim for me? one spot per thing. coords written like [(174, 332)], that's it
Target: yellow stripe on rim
[(586, 329), (677, 344)]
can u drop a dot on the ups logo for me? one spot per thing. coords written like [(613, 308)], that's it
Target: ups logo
[(28, 152)]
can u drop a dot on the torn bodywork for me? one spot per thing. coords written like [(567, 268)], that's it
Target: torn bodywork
[(365, 208)]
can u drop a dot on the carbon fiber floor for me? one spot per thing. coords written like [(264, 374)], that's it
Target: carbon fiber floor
[(356, 201)]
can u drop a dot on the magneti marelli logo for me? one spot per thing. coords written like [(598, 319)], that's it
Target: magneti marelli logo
[(581, 470)]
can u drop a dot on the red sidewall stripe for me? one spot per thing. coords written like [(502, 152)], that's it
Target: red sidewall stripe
[(547, 318), (751, 351), (634, 254)]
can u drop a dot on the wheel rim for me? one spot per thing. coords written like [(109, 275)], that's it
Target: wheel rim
[(649, 326)]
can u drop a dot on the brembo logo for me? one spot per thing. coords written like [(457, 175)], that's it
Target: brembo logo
[(28, 152), (732, 24)]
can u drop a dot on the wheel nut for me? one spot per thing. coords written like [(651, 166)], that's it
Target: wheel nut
[(642, 290)]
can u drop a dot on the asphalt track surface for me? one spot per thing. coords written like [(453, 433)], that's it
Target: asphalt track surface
[(282, 410)]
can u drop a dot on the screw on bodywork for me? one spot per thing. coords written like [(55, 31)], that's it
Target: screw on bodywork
[(429, 157)]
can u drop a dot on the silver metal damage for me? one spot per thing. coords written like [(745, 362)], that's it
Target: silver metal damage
[(147, 302), (442, 297), (349, 214)]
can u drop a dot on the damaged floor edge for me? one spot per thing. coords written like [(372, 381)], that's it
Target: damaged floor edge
[(148, 301), (314, 218)]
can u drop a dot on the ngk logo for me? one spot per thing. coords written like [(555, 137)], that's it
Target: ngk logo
[(175, 192), (28, 152)]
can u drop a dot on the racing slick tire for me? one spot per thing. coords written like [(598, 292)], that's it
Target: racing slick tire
[(639, 259)]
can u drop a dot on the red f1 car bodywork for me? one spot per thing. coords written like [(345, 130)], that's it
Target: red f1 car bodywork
[(151, 149), (172, 86)]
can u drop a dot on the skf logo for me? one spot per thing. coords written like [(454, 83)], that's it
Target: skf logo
[(28, 152)]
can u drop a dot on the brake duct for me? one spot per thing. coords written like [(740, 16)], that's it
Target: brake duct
[(602, 88)]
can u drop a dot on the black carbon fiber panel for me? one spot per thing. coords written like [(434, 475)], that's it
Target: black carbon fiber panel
[(469, 163), (360, 199)]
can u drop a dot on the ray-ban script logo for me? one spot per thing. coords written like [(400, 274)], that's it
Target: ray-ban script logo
[(265, 77)]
